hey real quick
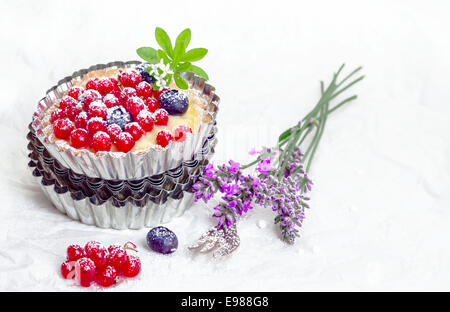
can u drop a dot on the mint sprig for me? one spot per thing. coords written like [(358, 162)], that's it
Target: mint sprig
[(177, 57)]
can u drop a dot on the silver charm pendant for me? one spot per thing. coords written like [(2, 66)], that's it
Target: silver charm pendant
[(223, 241)]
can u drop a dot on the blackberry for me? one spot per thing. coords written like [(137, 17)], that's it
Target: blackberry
[(174, 102), (119, 116), (144, 74)]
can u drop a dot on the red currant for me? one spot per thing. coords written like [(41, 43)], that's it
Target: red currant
[(97, 109), (113, 131), (81, 120), (85, 271), (152, 104), (90, 96), (105, 85), (95, 124), (106, 276), (163, 138), (72, 112), (124, 142), (93, 84), (117, 256), (75, 252), (67, 269), (130, 78), (161, 117), (145, 120), (79, 138), (135, 130), (180, 132), (157, 93), (101, 142), (111, 100), (97, 253), (75, 92), (57, 114), (62, 128), (126, 94), (134, 105), (67, 101), (144, 89), (132, 267)]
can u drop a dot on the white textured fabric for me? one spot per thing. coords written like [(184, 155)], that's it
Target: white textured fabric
[(380, 202)]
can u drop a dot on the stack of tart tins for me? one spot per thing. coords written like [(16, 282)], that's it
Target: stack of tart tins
[(121, 190)]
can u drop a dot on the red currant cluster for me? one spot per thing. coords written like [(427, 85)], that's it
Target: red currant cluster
[(81, 117), (96, 263)]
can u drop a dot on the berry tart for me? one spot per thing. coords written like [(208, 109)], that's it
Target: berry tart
[(111, 149)]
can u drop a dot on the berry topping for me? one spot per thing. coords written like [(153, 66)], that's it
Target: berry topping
[(144, 89), (97, 109), (92, 84), (67, 269), (113, 131), (180, 132), (152, 104), (117, 256), (124, 142), (75, 252), (106, 276), (85, 271), (79, 138), (101, 141), (134, 105), (88, 97), (135, 130), (157, 93), (145, 120), (162, 240), (95, 125), (126, 94), (57, 114), (161, 117), (130, 78), (62, 128), (111, 100), (174, 102), (132, 267), (118, 115), (75, 92), (163, 138), (144, 74), (81, 120), (105, 85), (67, 101), (72, 112)]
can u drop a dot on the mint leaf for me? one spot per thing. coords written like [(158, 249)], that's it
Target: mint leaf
[(181, 44), (198, 71), (194, 55), (180, 82), (183, 67), (164, 41), (148, 54)]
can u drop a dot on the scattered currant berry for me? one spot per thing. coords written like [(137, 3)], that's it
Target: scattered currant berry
[(75, 252), (97, 109), (180, 132), (163, 138), (62, 128), (75, 92), (57, 114), (88, 97), (152, 104), (135, 130), (101, 142), (134, 105), (81, 120), (79, 138), (85, 271), (162, 240), (113, 131), (68, 269), (126, 94), (118, 115), (117, 256), (124, 142), (130, 78), (144, 89), (67, 101), (132, 267), (161, 117), (105, 85), (92, 84), (97, 253), (144, 74), (145, 120), (95, 125), (111, 100), (106, 276), (175, 102)]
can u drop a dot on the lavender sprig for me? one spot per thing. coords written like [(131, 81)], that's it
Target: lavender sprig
[(281, 180)]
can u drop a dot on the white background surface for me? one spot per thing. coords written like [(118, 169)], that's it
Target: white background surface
[(380, 205)]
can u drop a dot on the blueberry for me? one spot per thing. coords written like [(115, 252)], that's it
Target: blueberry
[(144, 74), (162, 240), (174, 102), (119, 116)]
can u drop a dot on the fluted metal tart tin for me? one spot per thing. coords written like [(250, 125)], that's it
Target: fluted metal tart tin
[(118, 190), (131, 165)]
